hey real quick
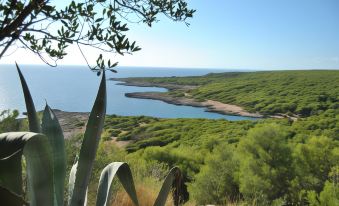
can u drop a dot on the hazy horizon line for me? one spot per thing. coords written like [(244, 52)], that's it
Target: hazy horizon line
[(175, 67)]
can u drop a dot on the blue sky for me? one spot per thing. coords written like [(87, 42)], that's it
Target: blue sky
[(254, 34)]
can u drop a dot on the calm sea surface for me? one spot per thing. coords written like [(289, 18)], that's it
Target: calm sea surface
[(73, 88)]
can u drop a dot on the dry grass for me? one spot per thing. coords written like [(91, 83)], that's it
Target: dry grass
[(146, 197), (148, 191)]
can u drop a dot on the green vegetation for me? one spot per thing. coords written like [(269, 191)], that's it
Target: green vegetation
[(9, 121), (269, 162), (302, 93), (263, 162)]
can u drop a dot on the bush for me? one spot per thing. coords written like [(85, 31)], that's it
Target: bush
[(216, 182), (265, 167), (9, 121)]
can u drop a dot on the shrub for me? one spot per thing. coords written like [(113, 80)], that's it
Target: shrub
[(218, 177)]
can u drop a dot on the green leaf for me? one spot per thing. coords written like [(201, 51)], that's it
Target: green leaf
[(89, 145), (10, 198), (71, 182), (110, 45), (99, 19), (125, 176), (136, 49), (173, 176), (36, 149), (52, 129), (34, 125), (10, 167)]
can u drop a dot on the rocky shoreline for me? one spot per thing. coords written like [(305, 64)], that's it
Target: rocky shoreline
[(210, 105), (71, 123)]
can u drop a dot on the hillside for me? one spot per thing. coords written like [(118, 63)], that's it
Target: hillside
[(237, 160), (292, 162)]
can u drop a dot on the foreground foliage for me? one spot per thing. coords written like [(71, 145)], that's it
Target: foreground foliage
[(96, 24), (45, 161), (267, 161)]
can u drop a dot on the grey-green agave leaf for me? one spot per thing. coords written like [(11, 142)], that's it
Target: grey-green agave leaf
[(125, 176), (10, 167), (33, 120), (71, 181), (71, 184), (37, 152), (171, 179), (89, 146), (52, 129)]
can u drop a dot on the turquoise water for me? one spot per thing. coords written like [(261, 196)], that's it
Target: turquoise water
[(73, 88)]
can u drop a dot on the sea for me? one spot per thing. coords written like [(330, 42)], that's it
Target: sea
[(73, 89)]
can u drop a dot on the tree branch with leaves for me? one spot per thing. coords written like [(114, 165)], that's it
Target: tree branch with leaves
[(47, 31)]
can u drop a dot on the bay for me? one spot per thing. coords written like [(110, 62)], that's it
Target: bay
[(73, 88)]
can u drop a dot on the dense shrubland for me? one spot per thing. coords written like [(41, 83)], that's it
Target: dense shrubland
[(268, 161)]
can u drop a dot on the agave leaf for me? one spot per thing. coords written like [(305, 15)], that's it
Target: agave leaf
[(71, 182), (89, 145), (36, 149), (10, 167), (85, 203), (172, 176), (11, 198), (33, 121), (125, 176), (52, 129)]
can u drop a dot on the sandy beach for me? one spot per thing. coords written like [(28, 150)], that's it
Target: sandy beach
[(210, 105)]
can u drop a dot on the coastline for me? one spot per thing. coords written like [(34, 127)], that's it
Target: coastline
[(210, 105), (130, 82)]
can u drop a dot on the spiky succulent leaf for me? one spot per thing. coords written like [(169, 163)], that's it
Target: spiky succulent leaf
[(11, 177), (52, 129), (36, 149), (71, 184), (71, 181), (33, 120), (172, 177), (10, 167), (125, 176), (89, 145)]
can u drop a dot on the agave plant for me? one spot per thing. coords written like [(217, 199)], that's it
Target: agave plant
[(44, 151)]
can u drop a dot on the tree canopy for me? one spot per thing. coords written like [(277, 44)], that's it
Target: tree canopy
[(47, 30)]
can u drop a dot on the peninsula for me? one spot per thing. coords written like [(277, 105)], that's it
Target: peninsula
[(277, 94)]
